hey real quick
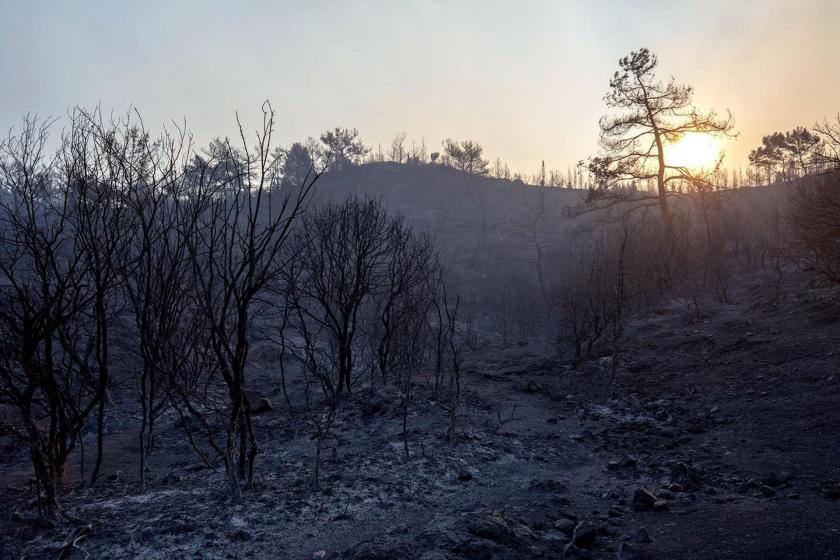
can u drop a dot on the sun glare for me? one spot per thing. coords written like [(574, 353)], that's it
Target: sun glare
[(694, 151)]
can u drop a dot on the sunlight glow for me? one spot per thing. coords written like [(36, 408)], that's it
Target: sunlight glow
[(694, 151)]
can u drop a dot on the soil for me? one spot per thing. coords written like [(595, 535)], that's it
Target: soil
[(723, 427)]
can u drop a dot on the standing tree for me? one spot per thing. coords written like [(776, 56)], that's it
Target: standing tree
[(48, 384), (236, 243), (653, 114), (156, 278), (815, 222), (787, 155), (297, 167), (100, 215), (466, 156), (342, 252), (343, 148), (829, 153), (398, 150)]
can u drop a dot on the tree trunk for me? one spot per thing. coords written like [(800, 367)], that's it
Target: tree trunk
[(541, 273), (142, 473), (405, 423), (317, 466), (102, 363), (100, 436), (664, 206), (233, 481), (46, 475), (345, 361), (230, 453)]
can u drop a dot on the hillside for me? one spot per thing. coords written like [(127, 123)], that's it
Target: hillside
[(726, 425), (490, 233), (706, 431), (437, 194)]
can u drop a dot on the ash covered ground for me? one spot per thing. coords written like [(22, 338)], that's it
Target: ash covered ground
[(718, 439)]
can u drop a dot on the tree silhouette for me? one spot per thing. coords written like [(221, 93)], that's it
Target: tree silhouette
[(343, 147), (789, 154), (297, 167), (466, 156), (651, 115), (828, 155)]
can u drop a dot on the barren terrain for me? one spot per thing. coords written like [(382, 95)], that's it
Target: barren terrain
[(719, 438)]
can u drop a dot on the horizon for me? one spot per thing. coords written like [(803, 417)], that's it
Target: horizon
[(428, 69)]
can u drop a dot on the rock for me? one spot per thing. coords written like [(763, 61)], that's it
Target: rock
[(557, 501), (668, 432), (477, 534), (556, 535), (626, 462), (379, 550), (565, 525), (465, 476), (643, 499), (643, 537), (319, 555), (263, 405), (660, 505), (688, 477), (571, 551), (766, 491), (635, 367), (627, 552), (583, 535), (548, 485), (697, 426), (532, 387), (171, 478), (239, 535), (380, 404), (605, 529), (777, 479)]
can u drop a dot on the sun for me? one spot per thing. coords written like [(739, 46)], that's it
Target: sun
[(694, 151)]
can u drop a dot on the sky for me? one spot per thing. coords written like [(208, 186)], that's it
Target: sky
[(524, 78)]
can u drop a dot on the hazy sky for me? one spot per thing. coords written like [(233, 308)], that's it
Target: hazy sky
[(525, 78)]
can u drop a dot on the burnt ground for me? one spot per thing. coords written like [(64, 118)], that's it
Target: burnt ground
[(724, 428)]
